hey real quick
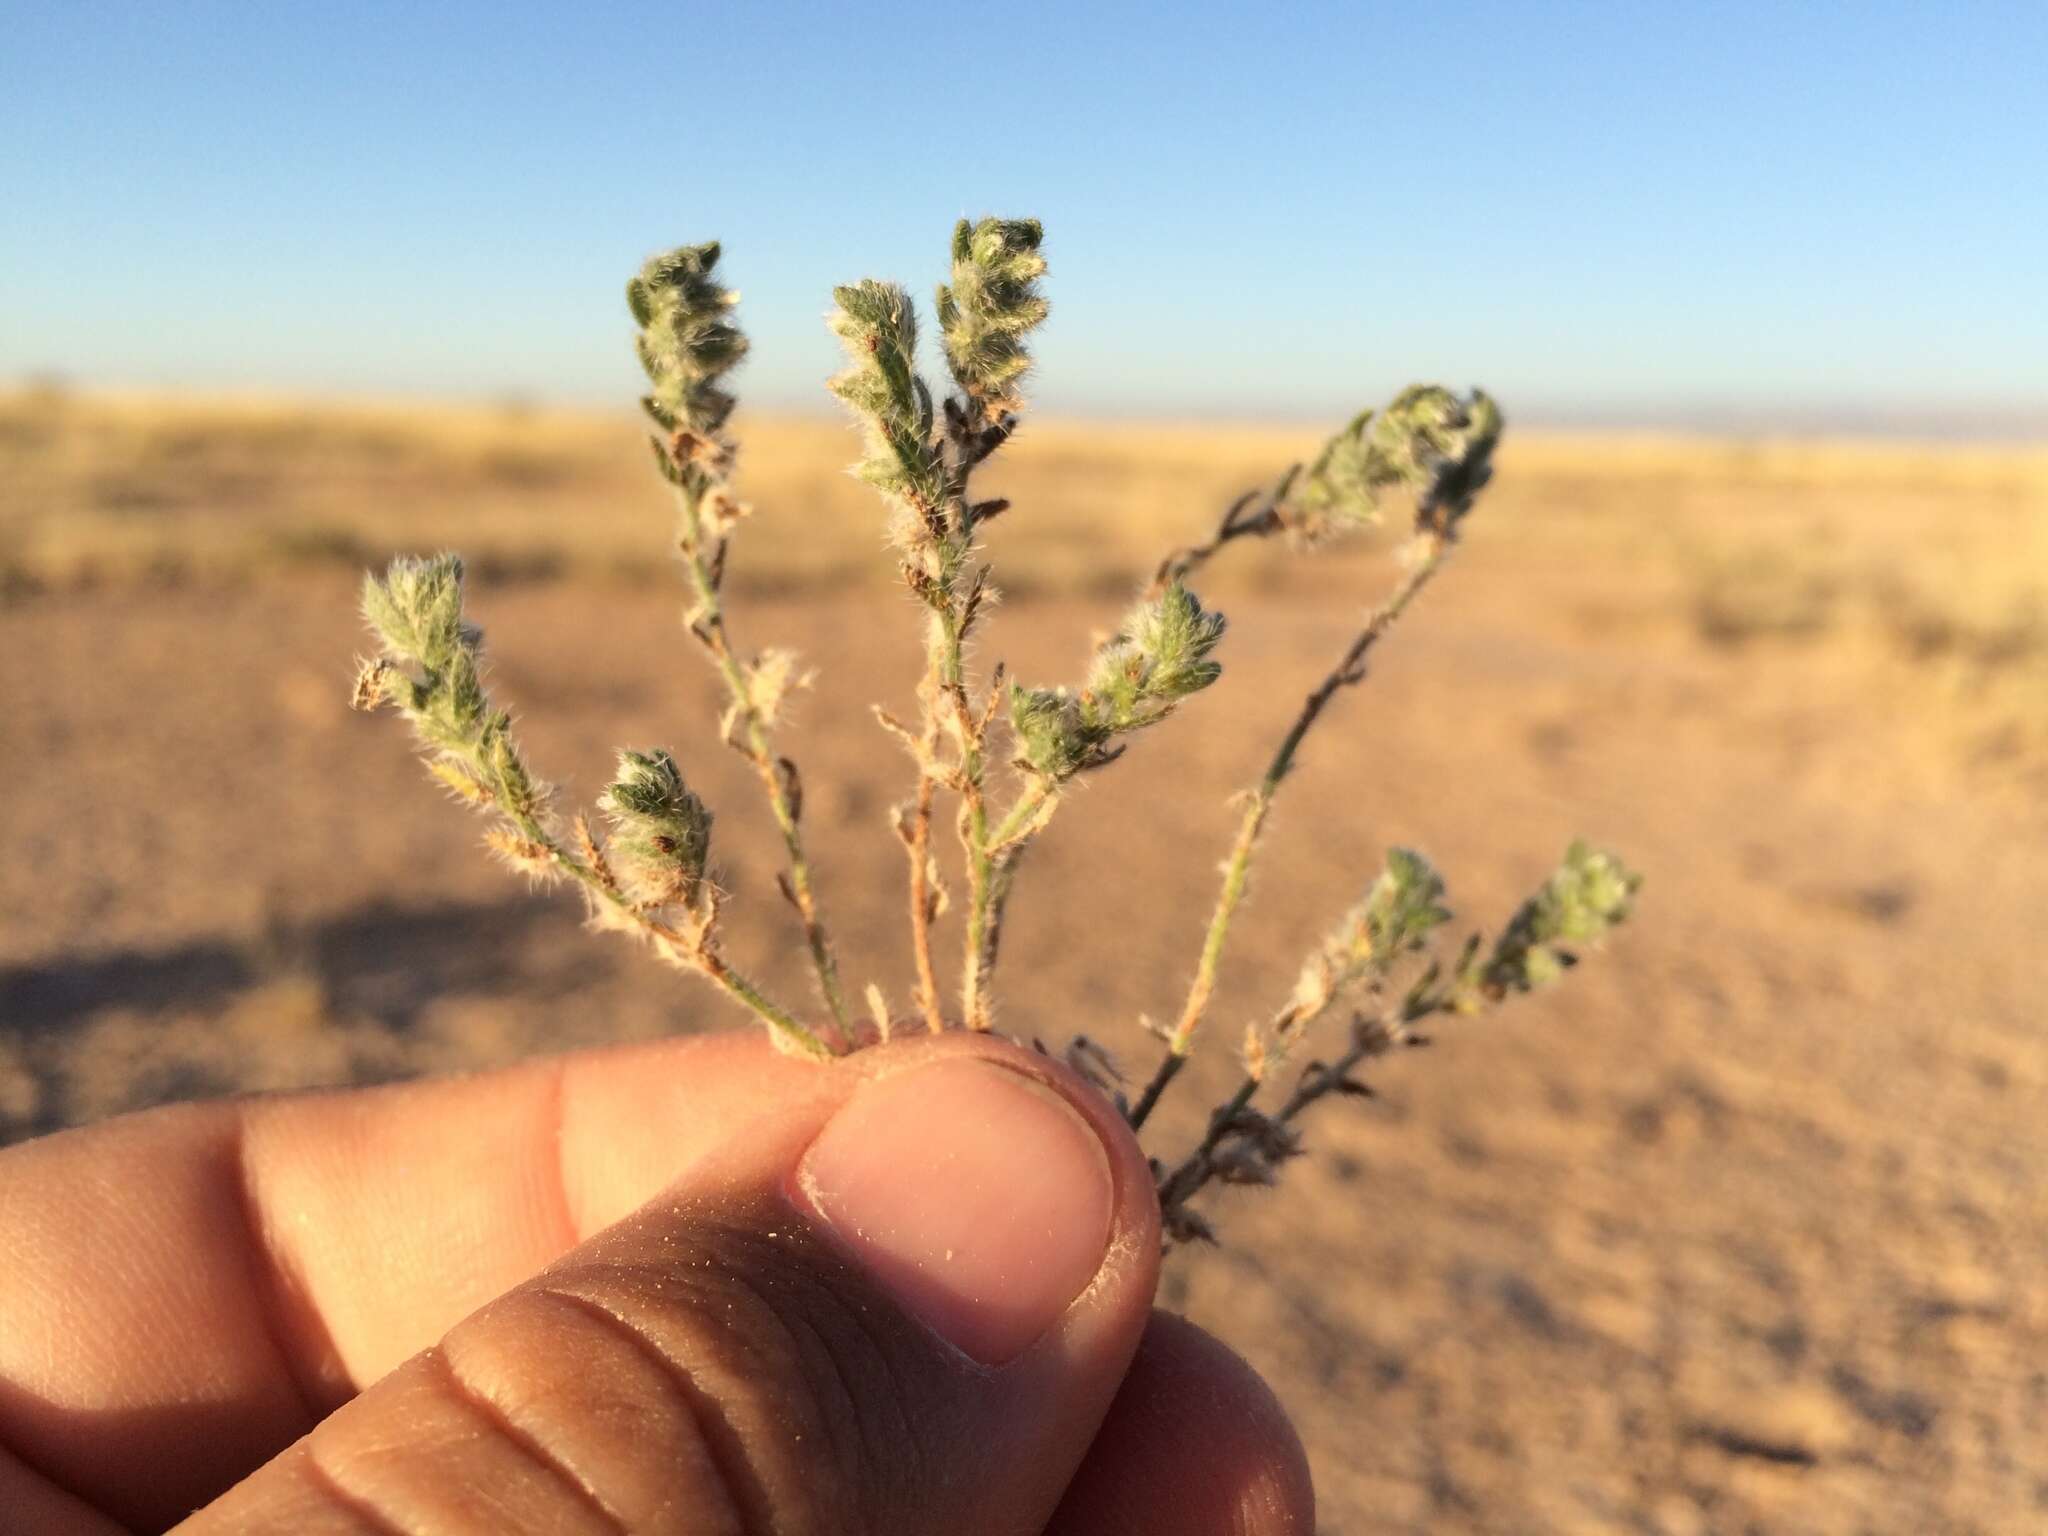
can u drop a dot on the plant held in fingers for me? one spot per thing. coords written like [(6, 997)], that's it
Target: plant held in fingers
[(1000, 756)]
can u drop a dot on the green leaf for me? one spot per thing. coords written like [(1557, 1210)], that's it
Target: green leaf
[(1428, 442), (1585, 898), (687, 341), (415, 610), (877, 325), (1404, 906), (1053, 735), (991, 304), (1159, 657)]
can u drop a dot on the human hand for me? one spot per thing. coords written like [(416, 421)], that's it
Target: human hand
[(687, 1287)]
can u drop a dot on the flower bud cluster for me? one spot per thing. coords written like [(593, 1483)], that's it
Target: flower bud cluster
[(1158, 658), (660, 831)]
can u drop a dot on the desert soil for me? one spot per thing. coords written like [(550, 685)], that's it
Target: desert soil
[(1738, 1229)]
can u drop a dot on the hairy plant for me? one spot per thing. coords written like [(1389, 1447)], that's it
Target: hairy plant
[(1001, 756)]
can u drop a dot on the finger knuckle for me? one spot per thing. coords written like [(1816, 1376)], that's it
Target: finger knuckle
[(808, 1398)]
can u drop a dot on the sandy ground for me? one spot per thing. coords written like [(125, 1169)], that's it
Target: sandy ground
[(1740, 1229)]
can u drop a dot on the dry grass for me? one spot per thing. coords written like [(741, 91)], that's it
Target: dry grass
[(1915, 568), (1742, 1230)]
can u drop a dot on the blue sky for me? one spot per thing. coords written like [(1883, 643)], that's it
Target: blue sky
[(1643, 213)]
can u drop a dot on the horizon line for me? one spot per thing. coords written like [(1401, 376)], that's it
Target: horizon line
[(2020, 426)]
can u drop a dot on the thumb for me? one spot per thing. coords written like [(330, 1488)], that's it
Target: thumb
[(901, 1303)]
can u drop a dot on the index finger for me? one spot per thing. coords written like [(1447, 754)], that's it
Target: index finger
[(185, 1292)]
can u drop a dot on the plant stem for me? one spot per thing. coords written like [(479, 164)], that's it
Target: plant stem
[(1314, 1083), (713, 965), (1371, 1036), (974, 836), (1035, 805), (1000, 851), (920, 844), (711, 628), (1239, 521), (1349, 670), (943, 686), (685, 949), (949, 526), (974, 1008), (1180, 1185)]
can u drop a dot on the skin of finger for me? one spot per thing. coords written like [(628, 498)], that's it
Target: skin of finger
[(840, 1407), (411, 1454), (137, 1361), (496, 1176), (187, 1290), (34, 1508), (1195, 1444)]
